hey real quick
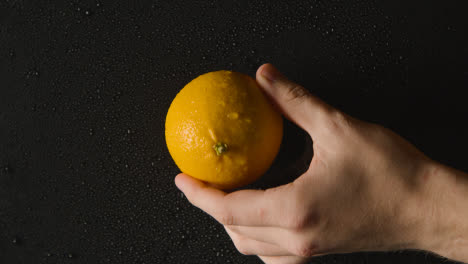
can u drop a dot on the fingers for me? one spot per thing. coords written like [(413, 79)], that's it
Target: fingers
[(249, 246), (271, 235), (296, 103), (245, 207), (283, 260)]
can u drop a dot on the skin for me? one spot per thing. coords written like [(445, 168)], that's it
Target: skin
[(366, 189)]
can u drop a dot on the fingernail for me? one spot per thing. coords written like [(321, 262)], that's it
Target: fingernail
[(270, 73)]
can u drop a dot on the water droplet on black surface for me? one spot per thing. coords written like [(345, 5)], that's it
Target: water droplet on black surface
[(32, 73)]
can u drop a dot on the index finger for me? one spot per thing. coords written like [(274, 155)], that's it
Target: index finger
[(243, 208)]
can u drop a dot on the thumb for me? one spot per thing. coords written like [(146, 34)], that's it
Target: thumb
[(296, 103)]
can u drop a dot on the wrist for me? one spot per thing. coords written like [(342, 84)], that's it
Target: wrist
[(442, 205)]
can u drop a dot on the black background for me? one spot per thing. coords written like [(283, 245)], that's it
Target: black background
[(85, 86)]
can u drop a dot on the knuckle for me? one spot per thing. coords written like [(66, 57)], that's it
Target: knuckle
[(305, 249), (300, 215), (225, 218), (338, 122), (239, 243), (297, 222), (243, 250), (295, 92)]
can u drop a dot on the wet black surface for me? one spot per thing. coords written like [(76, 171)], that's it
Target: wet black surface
[(85, 85)]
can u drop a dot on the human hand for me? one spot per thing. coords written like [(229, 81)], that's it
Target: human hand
[(364, 190)]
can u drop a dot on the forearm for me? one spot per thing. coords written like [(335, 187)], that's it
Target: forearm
[(445, 200)]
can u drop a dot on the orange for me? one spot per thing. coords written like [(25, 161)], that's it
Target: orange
[(221, 129)]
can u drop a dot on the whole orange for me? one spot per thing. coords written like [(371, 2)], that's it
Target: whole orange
[(221, 129)]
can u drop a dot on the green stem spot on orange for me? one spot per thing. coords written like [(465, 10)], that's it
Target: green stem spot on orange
[(220, 148)]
